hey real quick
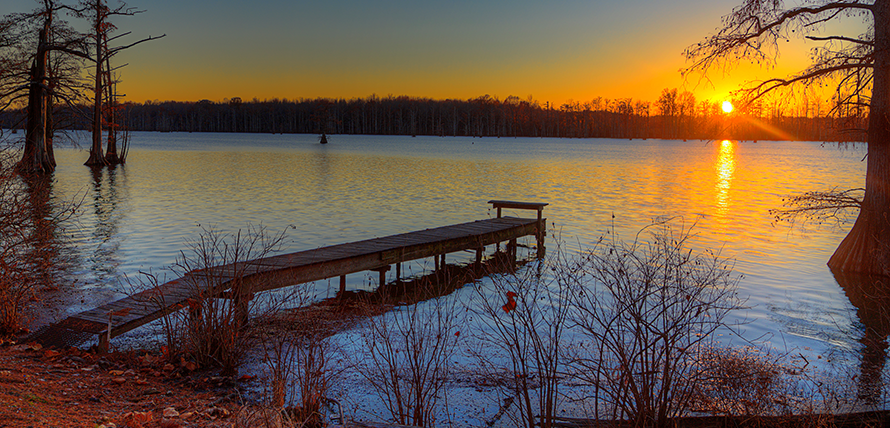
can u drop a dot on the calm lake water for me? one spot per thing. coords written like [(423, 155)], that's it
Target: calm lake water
[(136, 217)]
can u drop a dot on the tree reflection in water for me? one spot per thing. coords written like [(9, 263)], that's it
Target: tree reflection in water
[(104, 260), (871, 297)]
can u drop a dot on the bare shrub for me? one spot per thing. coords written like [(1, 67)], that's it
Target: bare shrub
[(297, 362), (210, 331), (647, 312), (15, 238), (406, 356), (523, 318), (29, 243)]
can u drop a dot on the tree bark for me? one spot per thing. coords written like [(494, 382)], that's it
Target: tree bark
[(866, 249), (97, 158), (111, 155), (36, 158)]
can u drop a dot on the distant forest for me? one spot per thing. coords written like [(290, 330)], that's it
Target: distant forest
[(676, 115)]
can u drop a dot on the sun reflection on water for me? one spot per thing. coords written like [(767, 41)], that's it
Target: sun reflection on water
[(725, 171)]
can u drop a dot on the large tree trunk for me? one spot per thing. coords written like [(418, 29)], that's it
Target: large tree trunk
[(35, 157), (866, 249)]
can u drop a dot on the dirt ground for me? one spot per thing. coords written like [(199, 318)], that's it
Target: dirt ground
[(77, 388), (73, 388)]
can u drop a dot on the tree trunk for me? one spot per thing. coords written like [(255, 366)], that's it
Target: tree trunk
[(35, 157), (97, 158), (111, 155), (866, 249)]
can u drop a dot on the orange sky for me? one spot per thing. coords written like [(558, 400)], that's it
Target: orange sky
[(553, 51)]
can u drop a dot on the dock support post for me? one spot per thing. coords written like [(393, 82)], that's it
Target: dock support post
[(243, 296), (511, 250), (342, 286), (478, 264), (382, 271), (195, 312), (540, 232), (398, 272), (104, 346)]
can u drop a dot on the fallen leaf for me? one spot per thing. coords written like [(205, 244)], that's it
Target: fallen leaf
[(120, 313), (170, 412), (136, 419), (119, 380), (116, 372), (245, 378)]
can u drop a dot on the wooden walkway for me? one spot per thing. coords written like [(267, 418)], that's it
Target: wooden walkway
[(240, 281)]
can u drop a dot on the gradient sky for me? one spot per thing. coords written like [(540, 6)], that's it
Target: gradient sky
[(552, 50)]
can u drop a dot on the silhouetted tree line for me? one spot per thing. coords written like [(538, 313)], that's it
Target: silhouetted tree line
[(676, 115)]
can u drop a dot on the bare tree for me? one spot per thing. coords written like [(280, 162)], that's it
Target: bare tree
[(29, 74), (98, 12), (857, 66)]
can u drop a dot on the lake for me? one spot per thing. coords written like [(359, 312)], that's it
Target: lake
[(136, 217)]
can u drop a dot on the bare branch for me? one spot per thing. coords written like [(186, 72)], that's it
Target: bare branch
[(113, 51), (818, 207), (751, 32), (841, 38)]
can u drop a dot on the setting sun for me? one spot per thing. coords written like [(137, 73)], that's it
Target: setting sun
[(727, 107)]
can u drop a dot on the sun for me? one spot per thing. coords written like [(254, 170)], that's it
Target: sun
[(727, 107)]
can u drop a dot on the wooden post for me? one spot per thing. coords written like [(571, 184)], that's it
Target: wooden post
[(195, 313), (540, 233), (242, 296), (398, 272), (478, 264), (104, 344), (382, 271), (342, 286)]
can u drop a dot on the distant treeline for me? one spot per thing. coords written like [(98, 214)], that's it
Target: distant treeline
[(673, 116)]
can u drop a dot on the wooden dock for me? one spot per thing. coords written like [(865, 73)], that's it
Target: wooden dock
[(240, 281)]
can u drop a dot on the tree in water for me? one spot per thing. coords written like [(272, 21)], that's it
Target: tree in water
[(856, 66), (26, 58), (104, 93)]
